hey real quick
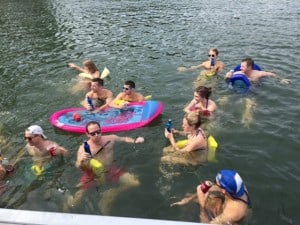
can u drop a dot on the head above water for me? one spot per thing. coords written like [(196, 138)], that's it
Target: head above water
[(90, 65), (249, 62), (99, 81), (91, 123), (231, 182), (130, 83), (213, 51), (193, 119), (35, 130), (203, 92)]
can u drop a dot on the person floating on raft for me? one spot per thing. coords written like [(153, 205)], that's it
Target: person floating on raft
[(253, 72), (126, 96), (241, 78), (100, 96)]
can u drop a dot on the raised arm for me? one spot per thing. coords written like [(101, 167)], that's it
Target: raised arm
[(74, 66)]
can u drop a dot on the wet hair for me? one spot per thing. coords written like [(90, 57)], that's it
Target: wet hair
[(90, 65), (249, 61), (203, 92), (130, 83), (98, 80), (91, 123), (215, 51), (193, 119)]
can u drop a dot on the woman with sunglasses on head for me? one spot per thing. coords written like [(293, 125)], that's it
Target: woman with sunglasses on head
[(195, 151), (127, 95), (95, 157), (210, 66)]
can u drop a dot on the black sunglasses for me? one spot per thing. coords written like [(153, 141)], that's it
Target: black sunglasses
[(29, 138), (211, 55), (95, 132), (126, 88)]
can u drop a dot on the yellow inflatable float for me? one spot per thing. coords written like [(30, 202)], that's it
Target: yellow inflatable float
[(105, 73), (98, 169), (212, 147), (37, 170)]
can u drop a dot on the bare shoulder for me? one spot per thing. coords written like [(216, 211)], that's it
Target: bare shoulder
[(220, 64), (108, 93), (206, 64), (110, 137), (120, 95), (140, 97)]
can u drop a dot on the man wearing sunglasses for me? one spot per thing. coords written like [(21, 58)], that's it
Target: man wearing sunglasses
[(41, 149), (99, 148), (127, 95), (212, 64)]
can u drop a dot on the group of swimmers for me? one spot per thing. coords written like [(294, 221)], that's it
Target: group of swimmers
[(224, 201)]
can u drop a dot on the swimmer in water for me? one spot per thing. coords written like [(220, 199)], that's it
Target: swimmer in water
[(253, 75), (101, 148), (195, 151), (201, 102), (212, 65), (101, 97)]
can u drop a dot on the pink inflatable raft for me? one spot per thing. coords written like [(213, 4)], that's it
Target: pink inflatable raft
[(138, 114)]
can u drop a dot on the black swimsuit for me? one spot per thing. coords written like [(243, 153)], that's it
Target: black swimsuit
[(246, 202)]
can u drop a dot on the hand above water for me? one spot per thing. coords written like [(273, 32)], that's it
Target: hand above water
[(285, 81), (182, 69)]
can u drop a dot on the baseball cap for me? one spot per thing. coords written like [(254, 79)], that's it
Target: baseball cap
[(231, 181), (36, 130)]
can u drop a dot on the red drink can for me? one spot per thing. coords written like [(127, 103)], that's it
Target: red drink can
[(205, 186), (51, 150)]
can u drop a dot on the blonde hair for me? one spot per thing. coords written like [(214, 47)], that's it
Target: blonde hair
[(193, 119)]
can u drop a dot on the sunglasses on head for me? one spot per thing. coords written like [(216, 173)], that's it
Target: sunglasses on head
[(95, 132), (126, 88), (210, 55)]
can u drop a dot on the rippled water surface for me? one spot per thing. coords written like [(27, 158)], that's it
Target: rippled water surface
[(146, 41)]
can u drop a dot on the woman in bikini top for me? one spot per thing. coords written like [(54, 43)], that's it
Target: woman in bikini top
[(201, 102)]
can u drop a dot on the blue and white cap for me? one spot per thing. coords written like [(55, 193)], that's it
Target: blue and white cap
[(231, 181)]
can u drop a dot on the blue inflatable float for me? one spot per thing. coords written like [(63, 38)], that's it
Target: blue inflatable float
[(239, 82)]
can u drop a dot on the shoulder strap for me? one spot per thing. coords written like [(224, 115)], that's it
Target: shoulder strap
[(102, 147)]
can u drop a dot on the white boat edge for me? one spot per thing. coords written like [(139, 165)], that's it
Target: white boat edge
[(27, 217)]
